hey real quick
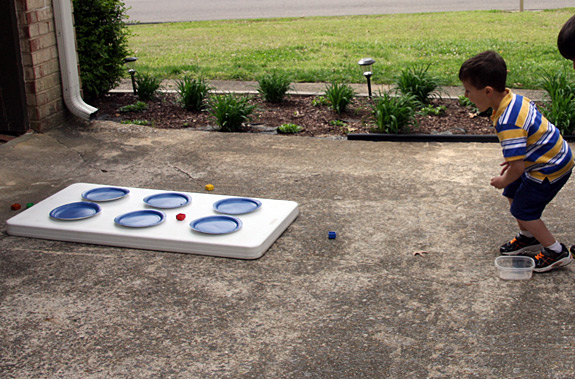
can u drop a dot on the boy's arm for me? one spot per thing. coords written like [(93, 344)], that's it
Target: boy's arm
[(511, 172)]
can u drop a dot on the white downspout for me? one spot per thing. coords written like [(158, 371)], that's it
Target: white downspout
[(69, 61)]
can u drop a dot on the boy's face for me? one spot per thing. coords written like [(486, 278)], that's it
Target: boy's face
[(479, 97)]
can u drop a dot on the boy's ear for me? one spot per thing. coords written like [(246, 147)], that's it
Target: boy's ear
[(489, 90)]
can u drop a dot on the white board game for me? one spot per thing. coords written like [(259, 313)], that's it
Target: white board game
[(217, 225)]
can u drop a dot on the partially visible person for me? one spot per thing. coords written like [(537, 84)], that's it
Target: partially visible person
[(566, 46), (537, 160), (566, 40)]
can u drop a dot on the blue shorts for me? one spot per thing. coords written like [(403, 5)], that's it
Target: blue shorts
[(530, 198)]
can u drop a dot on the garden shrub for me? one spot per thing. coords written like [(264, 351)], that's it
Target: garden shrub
[(193, 93), (394, 114), (339, 96), (147, 85), (560, 110), (273, 87), (230, 111), (102, 44), (416, 81)]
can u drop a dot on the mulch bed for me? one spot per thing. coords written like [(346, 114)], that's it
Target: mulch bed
[(317, 120)]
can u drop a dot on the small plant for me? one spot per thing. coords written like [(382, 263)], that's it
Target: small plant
[(137, 122), (320, 101), (465, 102), (147, 85), (416, 81), (193, 93), (560, 111), (230, 111), (339, 96), (138, 106), (273, 87), (394, 114), (430, 110), (337, 123), (289, 129)]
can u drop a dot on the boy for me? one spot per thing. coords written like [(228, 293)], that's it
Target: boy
[(538, 162)]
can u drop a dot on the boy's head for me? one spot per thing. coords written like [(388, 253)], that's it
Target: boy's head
[(483, 78), (485, 69), (566, 39)]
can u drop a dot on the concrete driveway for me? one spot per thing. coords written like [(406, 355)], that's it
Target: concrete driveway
[(361, 305)]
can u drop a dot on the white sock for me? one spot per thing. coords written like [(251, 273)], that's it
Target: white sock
[(526, 233), (556, 247)]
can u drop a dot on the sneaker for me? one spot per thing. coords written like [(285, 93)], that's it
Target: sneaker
[(548, 260), (520, 244)]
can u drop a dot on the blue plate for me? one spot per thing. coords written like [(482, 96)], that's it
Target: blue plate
[(168, 200), (75, 211), (105, 194), (237, 205), (141, 219), (216, 224)]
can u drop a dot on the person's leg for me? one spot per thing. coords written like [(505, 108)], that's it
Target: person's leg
[(529, 202), (539, 231), (524, 241), (521, 227)]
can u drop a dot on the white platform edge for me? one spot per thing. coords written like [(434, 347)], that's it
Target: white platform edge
[(36, 223)]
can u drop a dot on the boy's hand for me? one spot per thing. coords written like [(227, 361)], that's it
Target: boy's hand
[(510, 172), (498, 182), (505, 166)]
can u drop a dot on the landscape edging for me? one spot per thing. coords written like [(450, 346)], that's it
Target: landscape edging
[(430, 137)]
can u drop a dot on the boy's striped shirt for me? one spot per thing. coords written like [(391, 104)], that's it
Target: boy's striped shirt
[(525, 134)]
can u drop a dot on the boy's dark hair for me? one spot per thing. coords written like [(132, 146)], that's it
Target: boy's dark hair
[(566, 39), (485, 69)]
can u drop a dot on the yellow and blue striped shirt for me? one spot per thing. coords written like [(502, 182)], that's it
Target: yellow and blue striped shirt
[(525, 134)]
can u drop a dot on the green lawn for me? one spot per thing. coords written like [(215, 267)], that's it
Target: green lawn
[(322, 49)]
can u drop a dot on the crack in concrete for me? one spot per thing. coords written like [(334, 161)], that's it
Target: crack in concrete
[(82, 157), (183, 172)]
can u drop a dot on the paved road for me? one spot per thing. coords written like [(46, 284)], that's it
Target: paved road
[(196, 10)]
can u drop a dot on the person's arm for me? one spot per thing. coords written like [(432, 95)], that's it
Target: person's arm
[(510, 172)]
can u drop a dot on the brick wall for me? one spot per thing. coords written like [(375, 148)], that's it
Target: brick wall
[(44, 97)]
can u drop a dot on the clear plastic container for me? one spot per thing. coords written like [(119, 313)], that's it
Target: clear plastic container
[(515, 267)]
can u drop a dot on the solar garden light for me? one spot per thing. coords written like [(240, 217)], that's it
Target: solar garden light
[(365, 65), (130, 62)]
